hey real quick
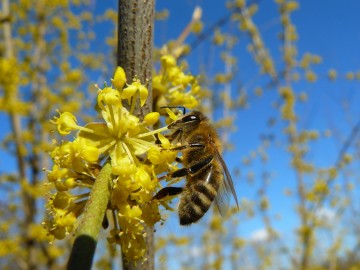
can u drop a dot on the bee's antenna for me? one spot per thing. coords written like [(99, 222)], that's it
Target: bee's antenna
[(175, 107)]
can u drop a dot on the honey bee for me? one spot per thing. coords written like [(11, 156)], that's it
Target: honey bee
[(207, 177)]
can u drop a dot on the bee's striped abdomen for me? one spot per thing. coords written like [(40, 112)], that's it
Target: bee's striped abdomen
[(196, 201)]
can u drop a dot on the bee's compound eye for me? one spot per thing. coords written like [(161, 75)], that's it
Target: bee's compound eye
[(190, 118)]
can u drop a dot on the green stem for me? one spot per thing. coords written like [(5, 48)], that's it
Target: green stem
[(83, 250)]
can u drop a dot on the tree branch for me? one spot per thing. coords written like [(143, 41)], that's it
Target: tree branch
[(135, 49)]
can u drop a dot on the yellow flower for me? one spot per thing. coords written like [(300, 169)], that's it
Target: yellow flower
[(130, 219), (264, 203), (70, 183), (134, 88), (8, 247), (219, 38), (108, 96), (142, 178), (168, 61), (133, 246), (163, 155), (119, 78), (287, 109), (151, 118), (347, 158), (197, 27), (150, 213), (124, 167), (216, 224), (291, 6), (350, 75), (171, 114), (37, 231), (62, 200), (62, 223), (65, 220), (310, 76), (66, 122), (90, 154), (155, 156), (332, 74)]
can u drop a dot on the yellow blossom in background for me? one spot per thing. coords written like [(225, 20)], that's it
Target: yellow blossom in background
[(350, 75), (223, 78), (347, 158), (264, 203), (74, 75), (8, 246), (287, 110), (291, 6), (257, 47), (218, 38), (172, 86), (197, 27), (316, 59), (239, 243), (310, 76)]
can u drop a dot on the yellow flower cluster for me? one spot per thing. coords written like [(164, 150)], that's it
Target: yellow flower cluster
[(289, 35), (332, 74), (10, 81), (257, 46), (171, 86), (135, 160), (287, 109), (319, 189)]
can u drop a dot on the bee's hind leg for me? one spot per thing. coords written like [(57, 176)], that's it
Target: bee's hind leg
[(167, 191)]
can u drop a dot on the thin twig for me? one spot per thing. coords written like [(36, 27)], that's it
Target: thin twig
[(83, 250)]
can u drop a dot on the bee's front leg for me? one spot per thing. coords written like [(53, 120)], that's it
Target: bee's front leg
[(171, 137), (185, 146), (175, 135), (192, 169)]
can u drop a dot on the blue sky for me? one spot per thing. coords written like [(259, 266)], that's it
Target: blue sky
[(328, 28)]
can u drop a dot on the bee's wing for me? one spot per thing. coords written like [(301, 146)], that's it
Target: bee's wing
[(222, 200), (226, 187)]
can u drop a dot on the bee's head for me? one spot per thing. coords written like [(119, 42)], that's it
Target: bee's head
[(188, 122)]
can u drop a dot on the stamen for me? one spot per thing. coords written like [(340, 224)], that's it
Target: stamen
[(152, 132), (128, 152), (84, 129), (112, 118), (133, 101)]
